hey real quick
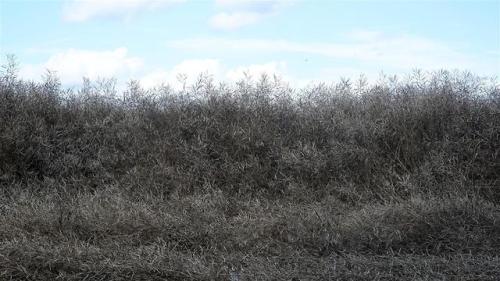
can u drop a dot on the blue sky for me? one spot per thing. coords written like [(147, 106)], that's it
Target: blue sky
[(301, 41)]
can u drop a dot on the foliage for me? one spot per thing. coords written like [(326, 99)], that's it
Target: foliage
[(199, 182)]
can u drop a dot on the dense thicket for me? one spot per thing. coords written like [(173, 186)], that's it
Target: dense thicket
[(389, 139), (399, 178)]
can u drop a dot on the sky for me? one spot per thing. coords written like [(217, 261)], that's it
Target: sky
[(301, 41)]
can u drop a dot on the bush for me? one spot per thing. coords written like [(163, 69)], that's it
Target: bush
[(399, 179), (254, 137)]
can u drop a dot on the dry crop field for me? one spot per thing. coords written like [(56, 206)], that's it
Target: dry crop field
[(397, 180)]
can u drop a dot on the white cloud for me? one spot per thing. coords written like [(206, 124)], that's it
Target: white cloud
[(255, 71), (368, 48), (82, 10), (73, 64), (364, 35), (252, 5), (238, 13), (231, 21), (214, 68), (191, 69)]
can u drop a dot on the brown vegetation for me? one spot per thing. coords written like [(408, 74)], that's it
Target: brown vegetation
[(254, 181)]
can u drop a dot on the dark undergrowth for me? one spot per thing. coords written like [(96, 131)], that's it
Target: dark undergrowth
[(396, 180)]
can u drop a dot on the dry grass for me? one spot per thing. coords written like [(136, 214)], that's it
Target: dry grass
[(255, 181)]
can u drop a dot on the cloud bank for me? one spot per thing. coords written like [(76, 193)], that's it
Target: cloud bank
[(73, 64), (83, 10), (396, 52), (189, 71), (239, 13)]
